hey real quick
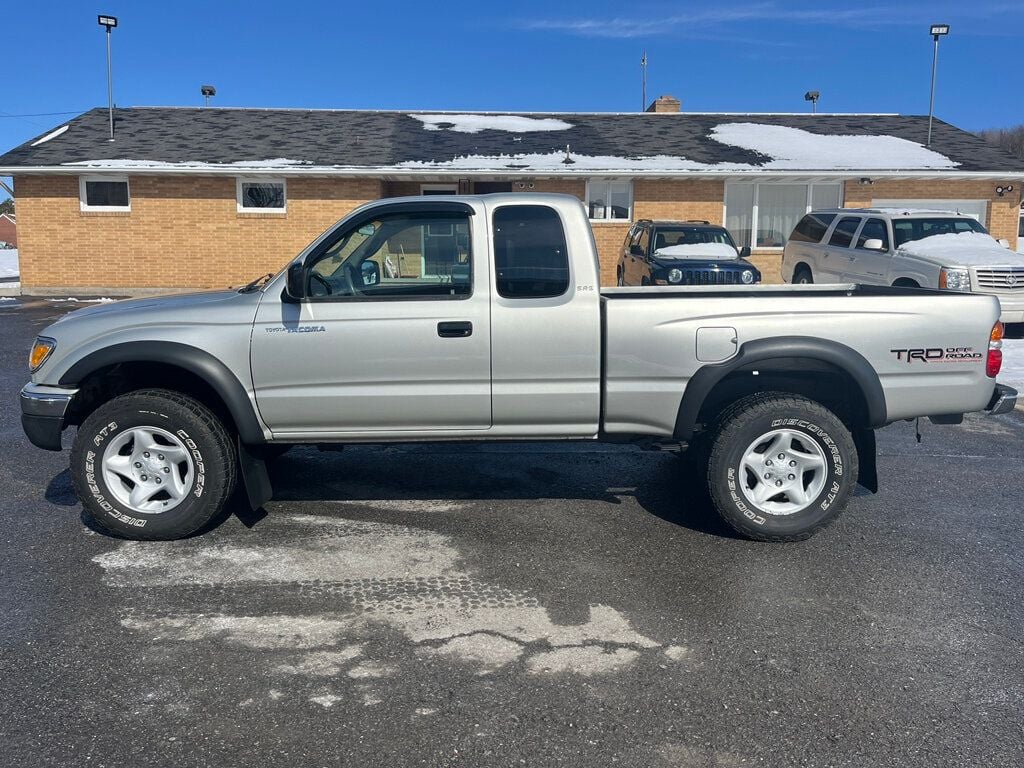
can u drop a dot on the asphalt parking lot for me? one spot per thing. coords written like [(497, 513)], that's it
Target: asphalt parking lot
[(523, 605)]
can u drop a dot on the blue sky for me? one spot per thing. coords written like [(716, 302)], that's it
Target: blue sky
[(528, 55)]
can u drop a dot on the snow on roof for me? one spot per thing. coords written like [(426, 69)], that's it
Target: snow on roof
[(51, 135), (474, 123), (705, 251), (797, 149), (963, 248)]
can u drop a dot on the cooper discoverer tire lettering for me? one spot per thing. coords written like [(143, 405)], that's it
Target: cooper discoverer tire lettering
[(153, 464), (782, 467)]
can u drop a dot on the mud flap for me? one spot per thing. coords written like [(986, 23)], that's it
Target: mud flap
[(254, 476), (864, 440)]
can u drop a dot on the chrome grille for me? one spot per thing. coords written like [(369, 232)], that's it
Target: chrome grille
[(1000, 279)]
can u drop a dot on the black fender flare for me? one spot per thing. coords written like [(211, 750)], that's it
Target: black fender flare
[(192, 359), (849, 360)]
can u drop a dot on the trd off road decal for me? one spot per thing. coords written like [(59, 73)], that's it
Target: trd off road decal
[(938, 355)]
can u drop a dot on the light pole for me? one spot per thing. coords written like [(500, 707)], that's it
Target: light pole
[(109, 22), (937, 31)]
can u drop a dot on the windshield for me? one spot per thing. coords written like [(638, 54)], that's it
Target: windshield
[(663, 238), (906, 230)]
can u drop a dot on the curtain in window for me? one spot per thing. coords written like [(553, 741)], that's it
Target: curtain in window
[(779, 208), (739, 212)]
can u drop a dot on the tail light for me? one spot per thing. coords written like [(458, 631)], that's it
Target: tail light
[(995, 351)]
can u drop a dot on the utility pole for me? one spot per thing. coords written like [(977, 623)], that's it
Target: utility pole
[(643, 96), (109, 22), (936, 31)]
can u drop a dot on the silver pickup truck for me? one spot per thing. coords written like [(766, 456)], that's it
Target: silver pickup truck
[(481, 318)]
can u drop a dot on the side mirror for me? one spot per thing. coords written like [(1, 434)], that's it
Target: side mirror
[(745, 252), (636, 250), (874, 244), (1004, 242), (295, 284), (369, 271)]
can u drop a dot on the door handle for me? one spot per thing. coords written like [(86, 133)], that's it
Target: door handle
[(454, 330)]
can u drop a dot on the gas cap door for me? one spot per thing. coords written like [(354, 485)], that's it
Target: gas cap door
[(716, 344)]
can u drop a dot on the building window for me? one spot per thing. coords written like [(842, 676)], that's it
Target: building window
[(262, 196), (104, 193), (762, 215), (609, 200)]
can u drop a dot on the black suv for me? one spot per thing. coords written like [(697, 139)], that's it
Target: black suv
[(683, 253)]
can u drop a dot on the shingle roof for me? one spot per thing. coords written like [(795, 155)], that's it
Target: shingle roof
[(414, 143)]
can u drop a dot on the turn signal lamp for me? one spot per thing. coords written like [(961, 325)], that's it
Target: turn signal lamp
[(41, 350)]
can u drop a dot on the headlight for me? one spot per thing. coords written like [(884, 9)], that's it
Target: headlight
[(675, 275), (954, 279), (747, 277), (41, 350)]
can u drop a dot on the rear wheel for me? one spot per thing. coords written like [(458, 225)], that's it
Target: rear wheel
[(618, 279), (781, 468), (803, 276), (153, 464)]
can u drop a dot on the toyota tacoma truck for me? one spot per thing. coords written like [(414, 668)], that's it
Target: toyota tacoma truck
[(482, 318)]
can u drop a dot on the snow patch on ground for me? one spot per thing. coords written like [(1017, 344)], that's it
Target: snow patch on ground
[(327, 700), (963, 248), (9, 262), (385, 578), (797, 149), (477, 123), (700, 251), (1012, 373), (73, 300)]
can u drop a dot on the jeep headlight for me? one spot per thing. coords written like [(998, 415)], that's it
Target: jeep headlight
[(747, 277), (41, 350), (675, 275), (954, 279)]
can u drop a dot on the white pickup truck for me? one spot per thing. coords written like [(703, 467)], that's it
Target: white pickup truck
[(481, 318)]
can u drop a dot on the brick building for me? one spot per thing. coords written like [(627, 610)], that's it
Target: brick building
[(185, 198), (8, 229)]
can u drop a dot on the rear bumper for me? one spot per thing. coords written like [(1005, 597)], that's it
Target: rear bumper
[(42, 414), (1004, 400)]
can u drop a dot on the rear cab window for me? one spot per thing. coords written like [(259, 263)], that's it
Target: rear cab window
[(531, 260), (842, 235)]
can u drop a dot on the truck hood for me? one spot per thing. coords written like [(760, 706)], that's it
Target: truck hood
[(968, 249), (190, 306)]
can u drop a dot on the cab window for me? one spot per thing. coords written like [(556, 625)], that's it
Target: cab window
[(874, 229), (531, 260), (398, 256)]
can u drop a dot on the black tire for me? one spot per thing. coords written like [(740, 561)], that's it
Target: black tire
[(207, 443), (763, 414), (618, 279), (803, 276)]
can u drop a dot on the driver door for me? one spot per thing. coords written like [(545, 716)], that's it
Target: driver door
[(381, 344)]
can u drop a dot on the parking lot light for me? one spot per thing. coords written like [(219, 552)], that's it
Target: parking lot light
[(936, 31)]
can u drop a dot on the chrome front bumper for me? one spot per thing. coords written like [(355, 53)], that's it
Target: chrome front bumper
[(42, 414)]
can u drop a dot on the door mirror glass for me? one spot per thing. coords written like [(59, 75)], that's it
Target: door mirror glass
[(745, 252), (370, 272), (295, 284), (874, 244)]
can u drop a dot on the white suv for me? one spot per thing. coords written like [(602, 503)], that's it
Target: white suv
[(911, 248)]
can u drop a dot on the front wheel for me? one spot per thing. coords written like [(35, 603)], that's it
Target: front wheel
[(782, 467), (153, 464), (803, 276)]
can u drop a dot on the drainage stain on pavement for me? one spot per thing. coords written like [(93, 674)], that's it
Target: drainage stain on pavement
[(377, 577)]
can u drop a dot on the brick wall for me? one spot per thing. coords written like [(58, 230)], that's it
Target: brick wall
[(185, 232), (182, 232)]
